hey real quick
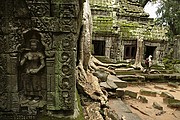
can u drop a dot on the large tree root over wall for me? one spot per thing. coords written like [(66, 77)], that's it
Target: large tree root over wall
[(93, 98)]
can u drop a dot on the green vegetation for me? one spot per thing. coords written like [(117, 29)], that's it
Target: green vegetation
[(169, 14)]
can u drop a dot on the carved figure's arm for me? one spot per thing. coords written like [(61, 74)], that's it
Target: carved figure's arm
[(42, 64), (23, 61)]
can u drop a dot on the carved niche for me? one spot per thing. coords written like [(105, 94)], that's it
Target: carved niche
[(32, 74)]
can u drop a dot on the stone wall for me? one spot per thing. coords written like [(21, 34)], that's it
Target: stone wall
[(121, 21), (55, 24)]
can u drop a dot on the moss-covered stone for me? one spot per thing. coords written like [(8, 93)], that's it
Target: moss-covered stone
[(157, 106), (131, 93), (167, 95), (79, 113), (129, 17), (142, 99), (171, 84), (148, 93), (170, 100), (103, 24)]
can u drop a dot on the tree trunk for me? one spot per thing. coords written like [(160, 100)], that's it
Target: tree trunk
[(139, 54), (87, 82), (86, 35)]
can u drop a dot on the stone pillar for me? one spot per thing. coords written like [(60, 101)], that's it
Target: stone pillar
[(177, 47), (57, 24)]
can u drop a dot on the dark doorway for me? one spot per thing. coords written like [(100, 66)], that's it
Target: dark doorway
[(149, 50), (99, 47), (129, 51)]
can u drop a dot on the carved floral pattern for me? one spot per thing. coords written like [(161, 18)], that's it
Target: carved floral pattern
[(67, 10), (39, 9)]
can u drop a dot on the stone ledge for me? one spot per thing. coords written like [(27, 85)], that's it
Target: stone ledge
[(131, 94), (148, 93)]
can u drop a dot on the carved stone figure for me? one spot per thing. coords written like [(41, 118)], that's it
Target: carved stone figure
[(32, 63)]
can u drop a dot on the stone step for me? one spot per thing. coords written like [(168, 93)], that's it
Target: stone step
[(117, 81), (162, 77), (157, 106), (124, 71), (131, 94), (170, 100), (120, 92), (173, 103), (131, 77), (136, 83), (122, 110), (166, 95), (148, 93), (120, 83), (171, 84), (162, 71)]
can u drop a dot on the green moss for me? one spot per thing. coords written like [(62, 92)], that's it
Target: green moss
[(136, 23), (103, 24), (79, 117), (130, 30)]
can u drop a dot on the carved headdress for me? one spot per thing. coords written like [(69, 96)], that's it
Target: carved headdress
[(32, 35), (34, 39)]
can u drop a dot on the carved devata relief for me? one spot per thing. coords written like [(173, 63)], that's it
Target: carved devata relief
[(32, 81)]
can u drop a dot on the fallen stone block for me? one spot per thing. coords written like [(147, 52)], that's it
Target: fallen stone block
[(131, 94), (170, 100), (174, 105), (112, 77), (148, 93), (157, 106), (105, 85), (131, 77), (142, 99), (154, 77), (124, 71), (100, 74), (112, 95), (111, 84), (167, 95), (159, 87), (171, 84), (120, 83), (172, 90), (120, 92), (136, 83)]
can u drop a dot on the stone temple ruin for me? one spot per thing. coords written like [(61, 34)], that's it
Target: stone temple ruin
[(41, 52), (116, 26)]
